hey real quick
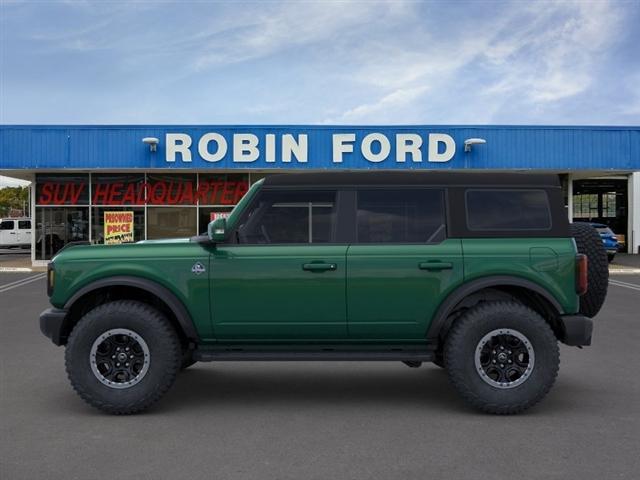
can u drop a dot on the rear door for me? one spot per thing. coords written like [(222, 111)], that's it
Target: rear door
[(24, 232), (401, 265), (285, 278)]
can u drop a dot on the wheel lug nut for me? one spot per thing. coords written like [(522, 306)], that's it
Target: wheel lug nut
[(127, 349), (113, 356), (501, 348), (117, 364), (126, 364), (502, 365), (493, 361), (510, 361)]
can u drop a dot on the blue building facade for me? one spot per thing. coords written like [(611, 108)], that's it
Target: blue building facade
[(176, 178)]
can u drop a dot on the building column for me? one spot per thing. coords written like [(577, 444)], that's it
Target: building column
[(570, 196), (633, 194), (34, 220)]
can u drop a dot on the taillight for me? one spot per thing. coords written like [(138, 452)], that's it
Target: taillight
[(51, 278), (582, 278)]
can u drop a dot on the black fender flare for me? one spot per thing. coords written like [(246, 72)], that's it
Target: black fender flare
[(164, 294), (439, 321)]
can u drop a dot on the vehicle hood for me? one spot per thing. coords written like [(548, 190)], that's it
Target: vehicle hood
[(166, 240), (125, 250)]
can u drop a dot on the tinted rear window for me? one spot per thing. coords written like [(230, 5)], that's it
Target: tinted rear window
[(400, 216), (508, 210)]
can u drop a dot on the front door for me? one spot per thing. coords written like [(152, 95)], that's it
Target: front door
[(284, 277), (8, 233), (401, 265)]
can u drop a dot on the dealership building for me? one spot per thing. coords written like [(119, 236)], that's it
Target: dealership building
[(176, 178)]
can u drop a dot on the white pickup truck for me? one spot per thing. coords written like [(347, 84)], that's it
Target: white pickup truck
[(15, 232)]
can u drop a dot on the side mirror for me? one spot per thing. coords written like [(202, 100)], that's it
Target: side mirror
[(217, 230)]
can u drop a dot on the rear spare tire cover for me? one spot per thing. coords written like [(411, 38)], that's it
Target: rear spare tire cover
[(589, 243)]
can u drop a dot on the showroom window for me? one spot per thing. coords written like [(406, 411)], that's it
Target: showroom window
[(62, 212), (72, 207)]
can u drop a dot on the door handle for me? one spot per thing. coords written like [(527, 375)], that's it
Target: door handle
[(432, 266), (319, 267)]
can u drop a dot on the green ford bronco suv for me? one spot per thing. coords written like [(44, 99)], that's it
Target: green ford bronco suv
[(479, 273)]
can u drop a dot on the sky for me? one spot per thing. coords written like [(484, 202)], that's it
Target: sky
[(325, 62)]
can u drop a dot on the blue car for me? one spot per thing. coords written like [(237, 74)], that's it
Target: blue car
[(609, 239)]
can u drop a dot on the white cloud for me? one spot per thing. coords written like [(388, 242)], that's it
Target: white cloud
[(534, 54), (386, 105), (251, 35), (553, 57)]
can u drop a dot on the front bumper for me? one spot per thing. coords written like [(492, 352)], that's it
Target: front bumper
[(577, 330), (52, 325)]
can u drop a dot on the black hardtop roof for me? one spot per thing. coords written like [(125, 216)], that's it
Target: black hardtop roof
[(413, 178)]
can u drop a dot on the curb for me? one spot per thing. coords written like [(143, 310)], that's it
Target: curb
[(624, 270), (22, 269)]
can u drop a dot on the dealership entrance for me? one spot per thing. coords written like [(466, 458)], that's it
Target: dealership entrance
[(603, 200)]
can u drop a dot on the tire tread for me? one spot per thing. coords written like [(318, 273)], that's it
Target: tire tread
[(162, 325), (454, 350)]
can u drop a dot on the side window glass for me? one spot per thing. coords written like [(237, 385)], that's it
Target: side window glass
[(508, 210), (401, 216), (290, 217), (6, 225), (24, 224)]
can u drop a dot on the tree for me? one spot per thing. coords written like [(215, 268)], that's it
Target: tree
[(13, 198)]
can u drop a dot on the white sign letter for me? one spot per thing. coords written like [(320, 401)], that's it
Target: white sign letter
[(203, 147), (178, 143), (434, 142), (339, 147), (270, 147), (408, 143), (245, 147), (385, 147), (299, 148)]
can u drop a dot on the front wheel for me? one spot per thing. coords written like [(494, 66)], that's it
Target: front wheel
[(502, 357), (122, 356)]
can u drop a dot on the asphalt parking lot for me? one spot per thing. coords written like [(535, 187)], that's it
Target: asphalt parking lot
[(318, 420)]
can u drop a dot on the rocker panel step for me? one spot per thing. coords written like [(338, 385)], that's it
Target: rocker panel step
[(312, 355)]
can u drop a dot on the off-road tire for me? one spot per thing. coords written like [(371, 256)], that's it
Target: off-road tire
[(164, 352), (589, 243), (463, 340)]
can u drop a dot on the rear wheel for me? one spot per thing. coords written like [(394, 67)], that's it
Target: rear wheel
[(122, 357), (502, 357)]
